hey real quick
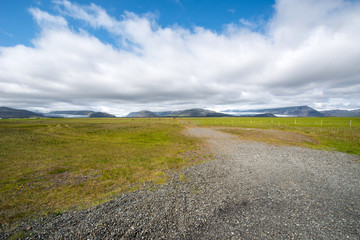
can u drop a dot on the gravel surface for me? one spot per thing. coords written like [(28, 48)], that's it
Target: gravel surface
[(249, 191)]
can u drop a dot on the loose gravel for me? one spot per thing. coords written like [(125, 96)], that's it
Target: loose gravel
[(250, 190)]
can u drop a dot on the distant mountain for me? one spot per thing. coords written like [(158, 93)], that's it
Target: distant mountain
[(6, 112), (256, 115), (81, 112), (101, 115), (297, 111), (195, 112), (165, 114), (341, 113), (142, 114), (264, 115)]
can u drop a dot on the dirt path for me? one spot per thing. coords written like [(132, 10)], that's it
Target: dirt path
[(249, 191), (284, 192)]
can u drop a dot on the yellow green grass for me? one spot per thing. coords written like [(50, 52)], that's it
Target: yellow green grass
[(330, 133), (50, 165)]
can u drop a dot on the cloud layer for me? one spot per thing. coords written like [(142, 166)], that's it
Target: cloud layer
[(307, 54)]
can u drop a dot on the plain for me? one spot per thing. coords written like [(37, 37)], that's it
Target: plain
[(52, 165)]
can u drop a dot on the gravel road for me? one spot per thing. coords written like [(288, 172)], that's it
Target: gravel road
[(249, 191)]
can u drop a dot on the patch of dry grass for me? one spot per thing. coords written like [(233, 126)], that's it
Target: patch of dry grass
[(273, 137), (330, 133)]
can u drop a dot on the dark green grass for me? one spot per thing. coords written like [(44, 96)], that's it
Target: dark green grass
[(51, 165)]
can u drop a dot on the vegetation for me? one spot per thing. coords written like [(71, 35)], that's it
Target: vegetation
[(50, 165), (330, 133)]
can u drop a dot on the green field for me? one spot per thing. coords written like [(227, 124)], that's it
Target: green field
[(329, 133), (51, 165)]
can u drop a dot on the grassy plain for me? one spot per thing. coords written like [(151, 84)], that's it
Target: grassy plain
[(49, 165), (329, 133)]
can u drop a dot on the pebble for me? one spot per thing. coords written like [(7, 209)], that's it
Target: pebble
[(250, 190)]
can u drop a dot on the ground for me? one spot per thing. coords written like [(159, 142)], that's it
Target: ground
[(251, 190)]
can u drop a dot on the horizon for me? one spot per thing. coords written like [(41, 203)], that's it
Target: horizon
[(127, 56), (233, 112)]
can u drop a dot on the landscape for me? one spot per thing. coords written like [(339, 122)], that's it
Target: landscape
[(296, 111), (52, 165), (177, 119)]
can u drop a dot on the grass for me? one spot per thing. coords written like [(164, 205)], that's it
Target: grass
[(52, 165), (273, 137), (328, 133)]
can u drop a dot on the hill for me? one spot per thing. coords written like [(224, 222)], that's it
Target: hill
[(296, 111), (66, 112), (264, 115), (101, 115), (195, 112), (341, 113), (79, 114), (6, 112), (142, 114)]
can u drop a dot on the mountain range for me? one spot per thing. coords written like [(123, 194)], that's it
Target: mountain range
[(6, 112), (195, 112), (79, 114), (297, 111), (142, 114), (341, 113)]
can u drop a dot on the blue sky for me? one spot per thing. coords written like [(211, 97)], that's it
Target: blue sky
[(17, 25), (129, 55)]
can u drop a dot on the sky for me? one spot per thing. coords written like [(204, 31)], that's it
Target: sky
[(130, 55)]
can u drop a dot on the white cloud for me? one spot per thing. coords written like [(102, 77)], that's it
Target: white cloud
[(46, 20), (92, 14), (309, 55), (246, 23)]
